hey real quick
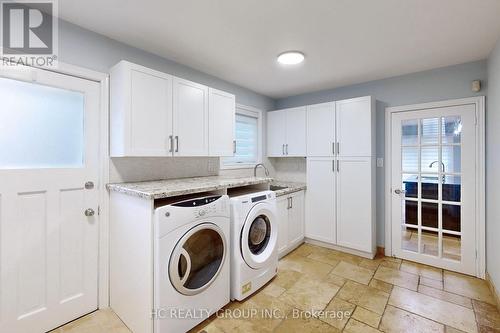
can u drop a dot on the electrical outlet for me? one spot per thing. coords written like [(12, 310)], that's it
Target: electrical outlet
[(380, 162)]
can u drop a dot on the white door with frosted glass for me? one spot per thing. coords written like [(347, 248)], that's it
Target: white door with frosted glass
[(49, 139), (434, 187)]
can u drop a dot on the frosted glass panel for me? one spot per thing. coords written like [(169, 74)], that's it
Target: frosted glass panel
[(40, 126)]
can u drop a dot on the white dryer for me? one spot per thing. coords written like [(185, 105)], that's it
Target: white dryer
[(192, 276), (254, 234)]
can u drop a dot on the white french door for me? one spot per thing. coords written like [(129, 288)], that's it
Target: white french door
[(433, 187), (49, 167)]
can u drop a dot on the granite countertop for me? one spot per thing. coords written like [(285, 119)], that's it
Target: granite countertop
[(291, 187), (159, 189)]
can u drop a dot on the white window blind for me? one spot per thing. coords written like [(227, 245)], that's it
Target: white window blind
[(429, 136), (247, 141)]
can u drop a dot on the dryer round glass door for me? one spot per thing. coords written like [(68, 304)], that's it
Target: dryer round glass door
[(197, 259), (259, 236)]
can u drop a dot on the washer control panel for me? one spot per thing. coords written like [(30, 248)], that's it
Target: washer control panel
[(202, 207)]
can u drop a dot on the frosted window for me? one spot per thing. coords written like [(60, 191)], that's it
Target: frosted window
[(247, 141), (40, 126)]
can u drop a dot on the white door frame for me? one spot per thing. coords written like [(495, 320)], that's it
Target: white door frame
[(479, 102), (103, 214)]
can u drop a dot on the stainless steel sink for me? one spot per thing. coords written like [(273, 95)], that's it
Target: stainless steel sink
[(277, 188)]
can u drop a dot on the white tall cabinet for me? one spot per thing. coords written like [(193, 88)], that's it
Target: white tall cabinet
[(286, 133), (340, 202), (157, 114)]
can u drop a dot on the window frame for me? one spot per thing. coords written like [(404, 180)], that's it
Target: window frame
[(250, 112)]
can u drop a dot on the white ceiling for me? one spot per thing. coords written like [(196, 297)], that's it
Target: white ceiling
[(345, 41)]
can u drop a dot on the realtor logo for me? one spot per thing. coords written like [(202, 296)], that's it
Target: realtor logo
[(29, 32)]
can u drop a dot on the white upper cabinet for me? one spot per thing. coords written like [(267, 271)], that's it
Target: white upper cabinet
[(321, 130), (286, 132), (141, 111), (190, 118), (355, 121), (221, 117), (296, 132), (276, 133), (156, 114)]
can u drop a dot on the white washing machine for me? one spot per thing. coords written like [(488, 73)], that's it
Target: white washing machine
[(192, 257), (254, 235)]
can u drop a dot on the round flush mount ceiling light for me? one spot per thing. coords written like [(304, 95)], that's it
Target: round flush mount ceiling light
[(291, 58)]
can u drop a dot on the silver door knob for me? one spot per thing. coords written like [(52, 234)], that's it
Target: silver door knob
[(398, 191), (89, 212)]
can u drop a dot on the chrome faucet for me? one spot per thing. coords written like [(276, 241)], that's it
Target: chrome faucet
[(258, 165), (442, 164), (430, 165)]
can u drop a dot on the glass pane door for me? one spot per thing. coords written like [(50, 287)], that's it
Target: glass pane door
[(431, 157), (433, 176)]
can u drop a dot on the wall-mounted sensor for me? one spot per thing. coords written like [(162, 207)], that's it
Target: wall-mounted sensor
[(476, 85)]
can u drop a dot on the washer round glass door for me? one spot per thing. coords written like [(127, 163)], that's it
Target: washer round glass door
[(259, 235), (197, 259)]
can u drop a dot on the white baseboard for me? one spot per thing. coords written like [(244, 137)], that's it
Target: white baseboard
[(363, 254), (494, 290)]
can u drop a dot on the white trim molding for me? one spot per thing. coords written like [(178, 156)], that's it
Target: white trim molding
[(252, 112), (479, 102)]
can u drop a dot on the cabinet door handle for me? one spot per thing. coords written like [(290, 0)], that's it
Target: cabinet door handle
[(286, 146), (338, 148), (338, 166), (171, 143), (234, 146), (333, 148), (291, 202), (176, 143), (333, 165), (283, 149)]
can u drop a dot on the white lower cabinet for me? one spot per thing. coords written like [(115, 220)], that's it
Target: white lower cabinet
[(340, 207), (290, 222)]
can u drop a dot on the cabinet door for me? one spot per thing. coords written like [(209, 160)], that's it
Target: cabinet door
[(321, 130), (354, 127), (221, 117), (320, 200), (150, 119), (190, 118), (354, 203), (296, 132), (282, 215), (296, 219), (276, 133)]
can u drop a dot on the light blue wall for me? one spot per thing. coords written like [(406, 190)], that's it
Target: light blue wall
[(434, 85), (88, 49), (493, 168)]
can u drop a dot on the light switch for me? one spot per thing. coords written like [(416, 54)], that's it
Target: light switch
[(380, 162)]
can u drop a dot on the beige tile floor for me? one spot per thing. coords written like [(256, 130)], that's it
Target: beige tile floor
[(356, 294), (451, 244)]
